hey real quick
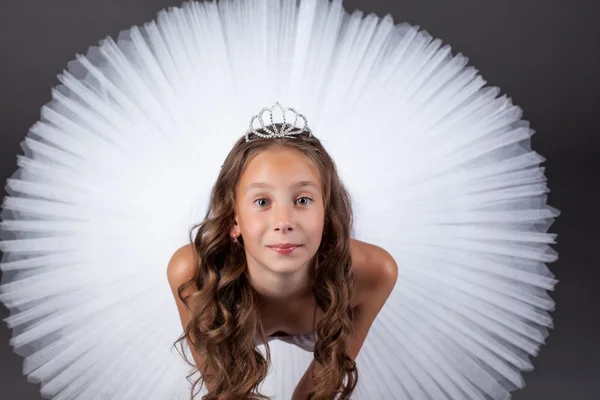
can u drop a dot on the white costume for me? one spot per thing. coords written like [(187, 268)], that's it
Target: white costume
[(121, 165)]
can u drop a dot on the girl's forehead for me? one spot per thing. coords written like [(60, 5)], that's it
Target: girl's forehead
[(280, 163), (288, 169)]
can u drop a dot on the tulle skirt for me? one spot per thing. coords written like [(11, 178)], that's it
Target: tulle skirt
[(121, 164)]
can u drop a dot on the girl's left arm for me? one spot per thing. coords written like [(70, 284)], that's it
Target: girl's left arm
[(375, 273)]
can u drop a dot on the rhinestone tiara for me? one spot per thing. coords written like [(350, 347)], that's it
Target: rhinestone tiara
[(272, 131)]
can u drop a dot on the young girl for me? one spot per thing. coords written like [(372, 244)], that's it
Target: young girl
[(274, 259)]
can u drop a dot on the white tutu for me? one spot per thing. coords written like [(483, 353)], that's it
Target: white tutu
[(122, 162)]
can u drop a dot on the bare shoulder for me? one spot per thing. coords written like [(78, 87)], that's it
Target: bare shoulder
[(375, 274), (182, 266), (374, 270), (180, 270)]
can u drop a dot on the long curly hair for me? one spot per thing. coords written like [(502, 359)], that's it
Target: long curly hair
[(225, 308)]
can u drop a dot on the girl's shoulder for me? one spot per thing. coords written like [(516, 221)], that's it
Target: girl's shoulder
[(370, 264), (182, 266)]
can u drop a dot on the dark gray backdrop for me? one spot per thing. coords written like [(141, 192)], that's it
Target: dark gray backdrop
[(542, 53)]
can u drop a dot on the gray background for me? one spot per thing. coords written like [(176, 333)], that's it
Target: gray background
[(542, 53)]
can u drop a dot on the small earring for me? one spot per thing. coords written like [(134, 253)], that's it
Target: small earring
[(235, 240)]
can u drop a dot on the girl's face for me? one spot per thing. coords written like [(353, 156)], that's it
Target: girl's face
[(279, 201)]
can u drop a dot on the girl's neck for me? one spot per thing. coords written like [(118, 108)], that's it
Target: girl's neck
[(274, 288)]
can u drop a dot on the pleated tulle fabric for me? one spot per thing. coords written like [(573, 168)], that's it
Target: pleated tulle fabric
[(122, 161)]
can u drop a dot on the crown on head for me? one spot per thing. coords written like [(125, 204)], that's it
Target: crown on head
[(286, 129)]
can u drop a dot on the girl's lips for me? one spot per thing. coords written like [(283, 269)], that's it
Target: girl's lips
[(284, 250), (284, 245)]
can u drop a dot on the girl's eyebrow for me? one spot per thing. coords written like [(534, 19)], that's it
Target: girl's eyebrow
[(263, 185)]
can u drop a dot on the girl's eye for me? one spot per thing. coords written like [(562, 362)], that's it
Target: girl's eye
[(307, 202), (257, 200)]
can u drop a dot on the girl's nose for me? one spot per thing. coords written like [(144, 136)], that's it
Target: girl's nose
[(283, 220)]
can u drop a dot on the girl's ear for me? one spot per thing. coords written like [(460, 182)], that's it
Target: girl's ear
[(235, 229)]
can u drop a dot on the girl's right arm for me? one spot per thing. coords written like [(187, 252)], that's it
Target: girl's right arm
[(181, 269)]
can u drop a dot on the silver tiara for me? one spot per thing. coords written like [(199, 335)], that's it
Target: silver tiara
[(285, 130)]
